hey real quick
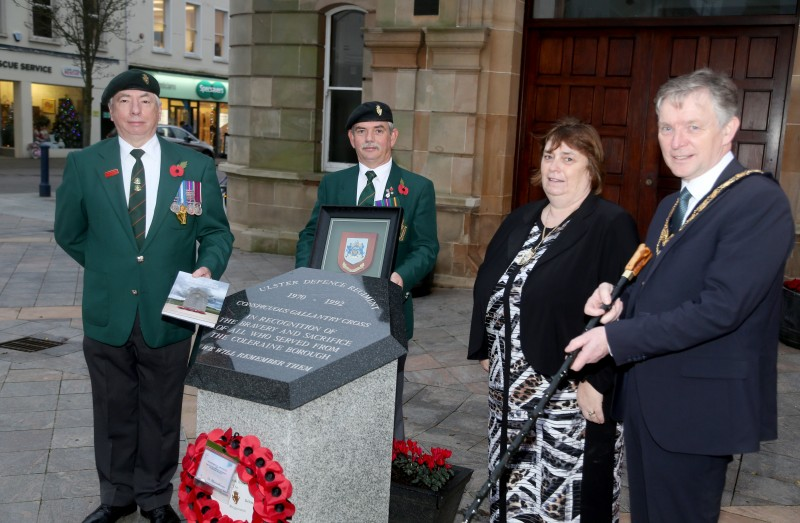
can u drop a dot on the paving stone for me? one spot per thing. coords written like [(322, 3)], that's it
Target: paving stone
[(76, 386), (72, 437), (17, 489), (29, 404), (69, 459), (74, 418), (12, 421), (29, 388), (74, 401), (26, 512), (20, 375), (18, 440), (68, 485), (73, 509), (23, 462)]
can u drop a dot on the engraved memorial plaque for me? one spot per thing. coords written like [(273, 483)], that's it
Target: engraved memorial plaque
[(299, 336)]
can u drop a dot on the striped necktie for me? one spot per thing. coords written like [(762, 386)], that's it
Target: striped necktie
[(367, 196), (680, 211), (136, 200)]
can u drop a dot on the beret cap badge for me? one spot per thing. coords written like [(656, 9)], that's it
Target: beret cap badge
[(369, 112), (132, 79)]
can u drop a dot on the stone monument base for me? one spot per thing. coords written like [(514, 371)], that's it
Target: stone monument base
[(336, 450)]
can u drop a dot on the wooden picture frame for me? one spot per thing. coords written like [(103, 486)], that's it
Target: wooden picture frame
[(49, 105), (360, 241)]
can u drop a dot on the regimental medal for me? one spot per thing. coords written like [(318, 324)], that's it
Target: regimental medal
[(189, 197)]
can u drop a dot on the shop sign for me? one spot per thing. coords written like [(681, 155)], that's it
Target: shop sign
[(206, 89), (184, 87), (71, 72), (23, 66)]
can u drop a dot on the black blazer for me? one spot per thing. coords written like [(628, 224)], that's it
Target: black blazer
[(704, 315), (594, 247)]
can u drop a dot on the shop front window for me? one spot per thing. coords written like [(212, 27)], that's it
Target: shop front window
[(57, 115), (658, 8), (6, 114)]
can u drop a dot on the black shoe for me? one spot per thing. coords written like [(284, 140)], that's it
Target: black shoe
[(163, 514), (109, 513)]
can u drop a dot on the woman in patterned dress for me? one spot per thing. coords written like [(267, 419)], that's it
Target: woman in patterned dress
[(542, 264)]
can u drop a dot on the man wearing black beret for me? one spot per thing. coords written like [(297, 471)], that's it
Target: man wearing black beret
[(378, 181), (133, 211)]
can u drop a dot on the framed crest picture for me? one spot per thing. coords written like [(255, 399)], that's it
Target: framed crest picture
[(357, 240)]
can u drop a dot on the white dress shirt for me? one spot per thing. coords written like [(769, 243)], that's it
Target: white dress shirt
[(151, 159), (381, 178)]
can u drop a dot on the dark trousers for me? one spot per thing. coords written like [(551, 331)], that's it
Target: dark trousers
[(665, 486), (137, 392)]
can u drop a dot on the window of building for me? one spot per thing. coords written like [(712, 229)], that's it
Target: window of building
[(161, 25), (6, 114), (220, 34), (192, 29), (344, 63), (654, 8), (42, 19), (2, 18)]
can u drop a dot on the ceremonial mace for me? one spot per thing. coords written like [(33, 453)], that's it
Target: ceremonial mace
[(632, 269)]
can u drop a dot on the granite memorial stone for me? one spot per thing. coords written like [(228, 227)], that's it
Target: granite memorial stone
[(307, 362)]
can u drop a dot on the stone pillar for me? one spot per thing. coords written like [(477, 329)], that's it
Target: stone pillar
[(276, 65)]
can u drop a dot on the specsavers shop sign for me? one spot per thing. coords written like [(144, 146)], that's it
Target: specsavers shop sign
[(191, 88)]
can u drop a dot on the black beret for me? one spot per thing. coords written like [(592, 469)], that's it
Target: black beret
[(369, 112), (132, 79)]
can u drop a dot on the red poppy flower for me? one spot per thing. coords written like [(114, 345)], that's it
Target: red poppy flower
[(402, 189), (793, 284), (176, 170)]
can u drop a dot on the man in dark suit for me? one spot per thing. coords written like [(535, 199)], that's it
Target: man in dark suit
[(372, 135), (133, 211), (698, 342)]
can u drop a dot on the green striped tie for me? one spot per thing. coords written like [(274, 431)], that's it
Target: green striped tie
[(367, 196), (136, 200)]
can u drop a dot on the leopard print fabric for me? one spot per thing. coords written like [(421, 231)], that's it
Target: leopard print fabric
[(543, 483)]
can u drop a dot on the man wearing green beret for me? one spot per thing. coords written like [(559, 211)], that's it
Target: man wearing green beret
[(377, 180), (133, 211)]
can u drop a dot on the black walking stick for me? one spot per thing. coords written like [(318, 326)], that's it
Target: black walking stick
[(635, 264)]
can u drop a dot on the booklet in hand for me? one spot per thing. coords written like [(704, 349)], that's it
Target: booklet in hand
[(197, 300)]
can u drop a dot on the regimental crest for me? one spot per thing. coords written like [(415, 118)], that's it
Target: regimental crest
[(357, 251), (146, 79), (379, 110)]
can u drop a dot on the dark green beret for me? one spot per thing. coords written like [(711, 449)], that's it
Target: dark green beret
[(369, 112), (132, 79)]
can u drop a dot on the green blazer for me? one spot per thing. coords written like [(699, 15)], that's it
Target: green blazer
[(93, 227), (416, 250)]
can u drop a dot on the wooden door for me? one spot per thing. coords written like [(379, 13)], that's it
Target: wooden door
[(609, 78)]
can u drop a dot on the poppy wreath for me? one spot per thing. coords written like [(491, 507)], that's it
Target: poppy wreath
[(263, 475)]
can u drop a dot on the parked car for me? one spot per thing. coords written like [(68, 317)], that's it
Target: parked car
[(175, 134)]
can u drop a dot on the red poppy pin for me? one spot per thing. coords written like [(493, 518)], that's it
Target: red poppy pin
[(402, 189), (177, 170), (112, 172)]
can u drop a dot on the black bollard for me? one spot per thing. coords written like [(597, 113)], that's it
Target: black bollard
[(44, 183)]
